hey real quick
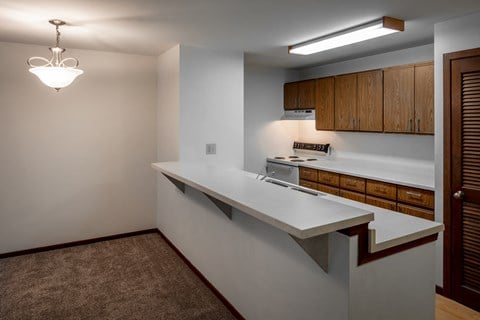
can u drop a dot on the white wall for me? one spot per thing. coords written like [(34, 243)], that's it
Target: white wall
[(75, 164), (211, 105), (168, 112), (265, 134), (450, 36), (409, 147)]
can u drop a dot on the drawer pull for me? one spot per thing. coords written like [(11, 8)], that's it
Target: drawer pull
[(351, 184), (414, 195), (379, 189)]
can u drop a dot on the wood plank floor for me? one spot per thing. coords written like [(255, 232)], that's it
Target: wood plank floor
[(447, 309)]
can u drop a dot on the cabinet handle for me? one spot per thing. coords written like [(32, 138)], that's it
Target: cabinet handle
[(351, 184), (410, 126), (353, 123), (414, 195), (418, 125), (358, 124)]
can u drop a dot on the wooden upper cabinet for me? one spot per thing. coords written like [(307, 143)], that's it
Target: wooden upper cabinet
[(398, 95), (346, 102), (299, 95), (306, 94), (290, 95), (325, 104), (424, 98), (370, 101)]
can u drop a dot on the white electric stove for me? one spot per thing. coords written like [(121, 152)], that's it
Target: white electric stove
[(285, 167)]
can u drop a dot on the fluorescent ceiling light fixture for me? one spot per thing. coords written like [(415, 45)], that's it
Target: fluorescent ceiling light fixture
[(374, 29), (55, 73)]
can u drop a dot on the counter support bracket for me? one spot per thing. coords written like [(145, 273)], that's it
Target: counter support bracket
[(180, 185), (226, 209), (317, 248)]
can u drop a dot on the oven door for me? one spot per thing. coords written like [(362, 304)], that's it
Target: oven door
[(283, 172)]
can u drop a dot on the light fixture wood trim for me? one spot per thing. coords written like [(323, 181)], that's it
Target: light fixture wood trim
[(393, 23)]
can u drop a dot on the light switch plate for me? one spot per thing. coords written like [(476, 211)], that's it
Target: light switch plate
[(211, 148)]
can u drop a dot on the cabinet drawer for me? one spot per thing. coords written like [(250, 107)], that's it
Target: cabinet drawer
[(382, 203), (329, 178), (327, 189), (418, 197), (308, 184), (360, 197), (352, 183), (382, 189), (308, 174), (415, 211)]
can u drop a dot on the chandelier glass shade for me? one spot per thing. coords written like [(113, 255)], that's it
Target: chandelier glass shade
[(57, 72)]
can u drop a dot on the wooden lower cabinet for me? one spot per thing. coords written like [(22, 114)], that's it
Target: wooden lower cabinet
[(352, 183), (328, 189), (308, 174), (416, 197), (407, 200), (330, 178), (308, 184), (381, 189), (360, 197), (416, 211), (382, 203)]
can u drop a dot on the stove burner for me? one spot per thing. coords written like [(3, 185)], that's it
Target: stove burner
[(297, 160), (293, 157), (312, 159), (279, 158)]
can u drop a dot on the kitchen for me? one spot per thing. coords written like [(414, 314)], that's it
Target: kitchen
[(246, 102)]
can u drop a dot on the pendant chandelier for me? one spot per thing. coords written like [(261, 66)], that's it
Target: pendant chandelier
[(56, 72)]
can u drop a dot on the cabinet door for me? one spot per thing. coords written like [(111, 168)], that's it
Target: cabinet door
[(345, 102), (382, 203), (327, 189), (424, 98), (324, 99), (370, 101), (306, 94), (360, 197), (415, 211), (398, 95), (290, 95)]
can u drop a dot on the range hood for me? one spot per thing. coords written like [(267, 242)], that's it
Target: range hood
[(307, 114)]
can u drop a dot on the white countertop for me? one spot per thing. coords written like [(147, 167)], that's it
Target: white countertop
[(391, 228), (301, 215), (419, 174)]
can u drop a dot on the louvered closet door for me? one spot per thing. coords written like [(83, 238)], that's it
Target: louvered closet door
[(465, 213)]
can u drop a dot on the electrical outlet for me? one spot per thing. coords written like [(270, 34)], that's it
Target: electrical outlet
[(211, 148)]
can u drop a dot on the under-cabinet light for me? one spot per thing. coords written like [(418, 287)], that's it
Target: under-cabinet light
[(374, 29)]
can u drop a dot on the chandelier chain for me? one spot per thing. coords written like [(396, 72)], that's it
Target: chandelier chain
[(58, 35)]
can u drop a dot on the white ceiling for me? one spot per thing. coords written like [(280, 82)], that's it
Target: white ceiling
[(261, 28)]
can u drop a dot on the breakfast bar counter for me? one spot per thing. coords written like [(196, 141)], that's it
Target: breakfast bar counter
[(366, 258)]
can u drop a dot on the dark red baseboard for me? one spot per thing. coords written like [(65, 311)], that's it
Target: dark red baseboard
[(439, 290), (217, 293), (75, 243)]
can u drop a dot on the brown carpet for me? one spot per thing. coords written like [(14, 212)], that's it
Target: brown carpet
[(137, 277)]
